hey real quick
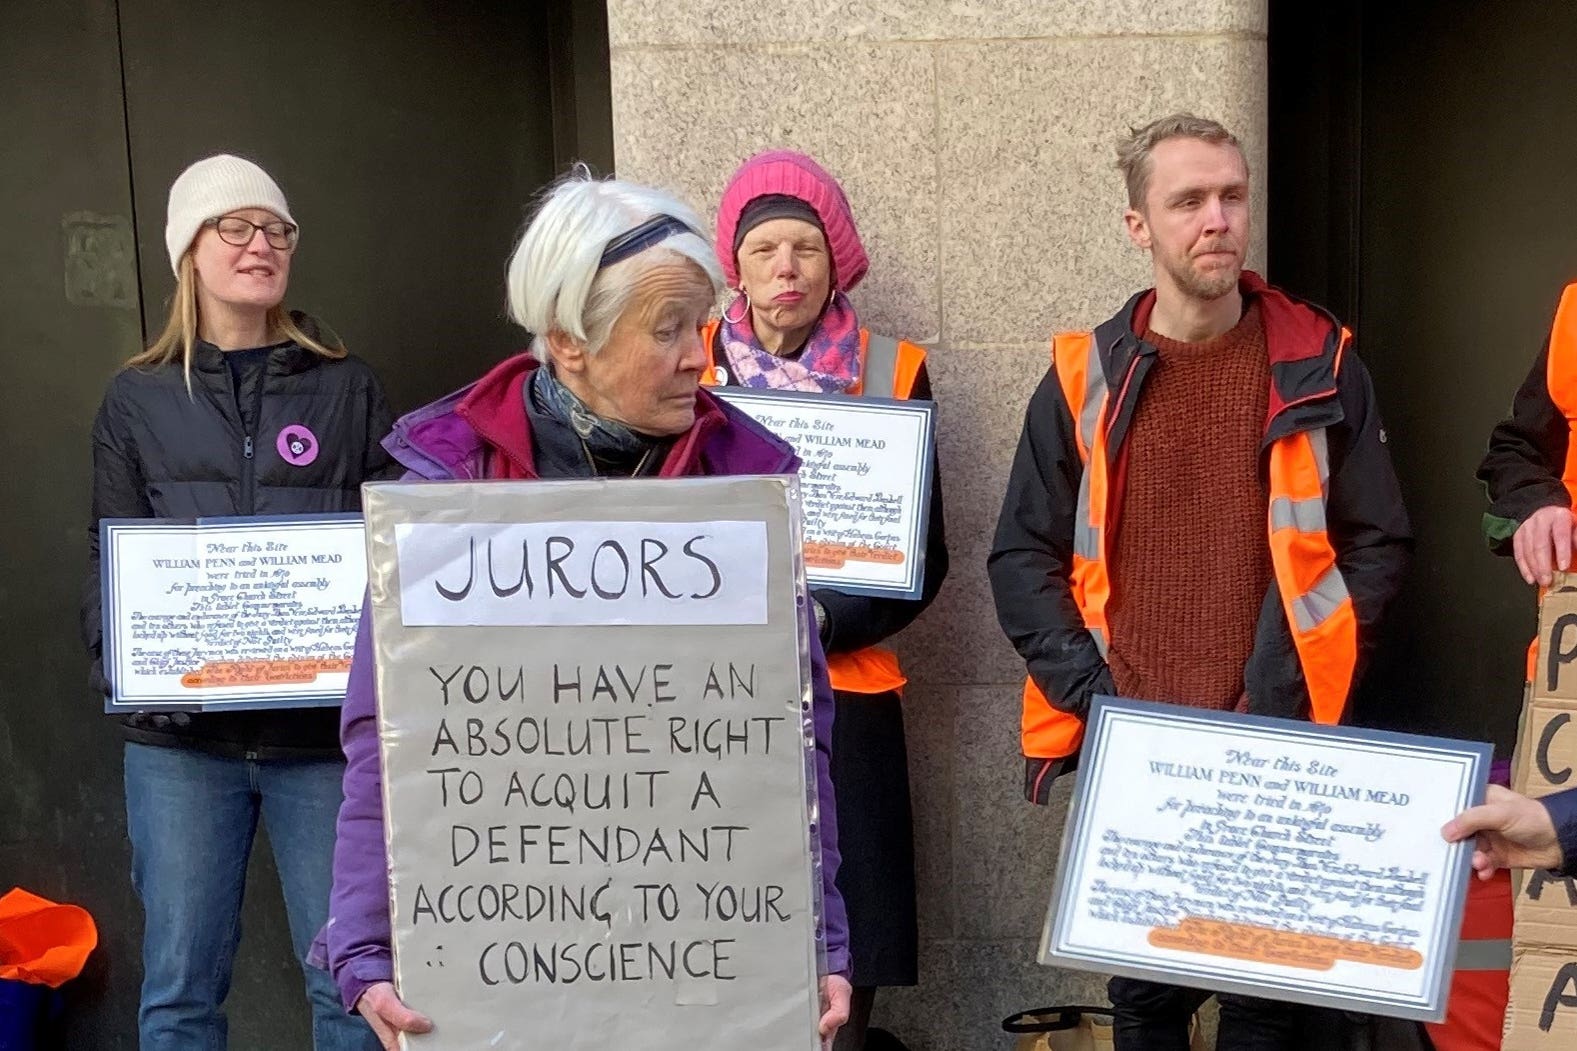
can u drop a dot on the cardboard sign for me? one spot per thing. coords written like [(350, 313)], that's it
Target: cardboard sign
[(1546, 909), (1542, 1013), (594, 707), (1548, 743), (1555, 669)]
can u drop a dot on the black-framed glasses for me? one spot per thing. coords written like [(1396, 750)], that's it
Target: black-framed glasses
[(234, 230)]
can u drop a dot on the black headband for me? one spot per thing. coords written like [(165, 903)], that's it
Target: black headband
[(774, 206), (653, 231)]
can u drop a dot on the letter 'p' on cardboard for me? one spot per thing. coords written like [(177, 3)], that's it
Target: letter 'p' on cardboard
[(1555, 669), (1542, 1013)]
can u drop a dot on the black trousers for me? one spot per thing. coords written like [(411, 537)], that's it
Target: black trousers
[(1149, 1016), (870, 770)]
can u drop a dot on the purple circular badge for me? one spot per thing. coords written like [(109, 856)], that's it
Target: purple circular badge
[(297, 445)]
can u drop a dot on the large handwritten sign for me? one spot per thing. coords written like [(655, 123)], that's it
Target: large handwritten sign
[(229, 613), (865, 468), (594, 705), (1266, 857), (1542, 1013)]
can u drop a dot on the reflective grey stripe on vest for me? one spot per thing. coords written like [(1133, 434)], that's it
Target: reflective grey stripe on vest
[(1311, 608), (881, 366), (1094, 394), (1322, 457), (1490, 954), (1087, 537), (1100, 640), (1306, 516)]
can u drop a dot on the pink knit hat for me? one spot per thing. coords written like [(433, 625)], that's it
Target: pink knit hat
[(794, 175)]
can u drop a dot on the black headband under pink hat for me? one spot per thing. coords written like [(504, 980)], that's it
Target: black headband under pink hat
[(773, 206)]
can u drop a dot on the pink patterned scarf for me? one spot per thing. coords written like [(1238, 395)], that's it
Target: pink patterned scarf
[(829, 363)]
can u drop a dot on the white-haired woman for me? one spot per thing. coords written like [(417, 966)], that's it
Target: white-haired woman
[(615, 281), (238, 408)]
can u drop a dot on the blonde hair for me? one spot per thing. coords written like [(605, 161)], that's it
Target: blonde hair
[(175, 343), (1133, 153)]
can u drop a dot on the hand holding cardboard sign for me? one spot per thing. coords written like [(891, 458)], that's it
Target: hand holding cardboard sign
[(1543, 543)]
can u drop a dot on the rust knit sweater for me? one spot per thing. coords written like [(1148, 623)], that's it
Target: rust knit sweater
[(1190, 564)]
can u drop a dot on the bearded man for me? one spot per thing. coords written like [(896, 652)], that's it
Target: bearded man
[(1202, 510)]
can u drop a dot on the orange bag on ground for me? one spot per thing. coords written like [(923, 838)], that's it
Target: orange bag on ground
[(41, 942)]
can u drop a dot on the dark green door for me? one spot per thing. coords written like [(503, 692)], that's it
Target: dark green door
[(1421, 160), (410, 138)]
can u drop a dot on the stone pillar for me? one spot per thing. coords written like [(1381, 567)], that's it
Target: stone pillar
[(976, 142)]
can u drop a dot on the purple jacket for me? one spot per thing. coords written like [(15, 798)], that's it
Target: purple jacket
[(482, 432)]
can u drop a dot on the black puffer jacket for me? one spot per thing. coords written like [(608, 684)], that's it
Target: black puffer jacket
[(159, 452)]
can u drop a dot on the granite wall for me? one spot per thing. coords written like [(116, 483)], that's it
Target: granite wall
[(975, 140)]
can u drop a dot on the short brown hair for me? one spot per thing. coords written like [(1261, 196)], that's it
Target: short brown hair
[(1133, 153)]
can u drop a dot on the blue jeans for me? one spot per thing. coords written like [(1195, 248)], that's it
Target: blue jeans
[(191, 817)]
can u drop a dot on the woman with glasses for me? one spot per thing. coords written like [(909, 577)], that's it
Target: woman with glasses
[(238, 408)]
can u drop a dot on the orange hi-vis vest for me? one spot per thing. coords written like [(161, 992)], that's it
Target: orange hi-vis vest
[(1481, 979), (1560, 372), (1313, 593), (888, 369)]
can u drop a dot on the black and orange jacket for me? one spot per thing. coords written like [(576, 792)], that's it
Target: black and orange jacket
[(1336, 528), (856, 624), (1529, 463)]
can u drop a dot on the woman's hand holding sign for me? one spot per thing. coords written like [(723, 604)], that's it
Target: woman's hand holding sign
[(835, 994), (383, 1009)]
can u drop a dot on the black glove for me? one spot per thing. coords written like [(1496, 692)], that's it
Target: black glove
[(158, 720), (1099, 684)]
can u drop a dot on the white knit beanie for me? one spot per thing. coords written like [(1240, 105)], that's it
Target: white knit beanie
[(209, 189)]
